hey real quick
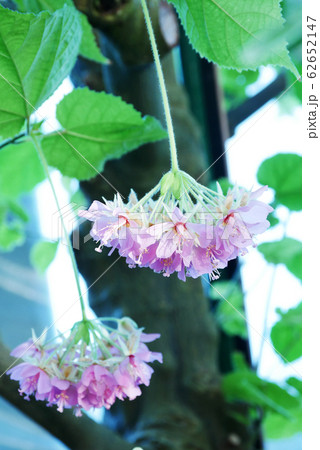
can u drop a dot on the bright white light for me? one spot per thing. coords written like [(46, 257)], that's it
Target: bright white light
[(266, 76), (61, 282), (254, 141)]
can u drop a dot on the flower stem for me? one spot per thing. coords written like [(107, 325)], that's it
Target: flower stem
[(146, 197), (70, 249), (164, 95)]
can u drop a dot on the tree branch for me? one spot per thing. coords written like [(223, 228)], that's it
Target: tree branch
[(12, 140), (123, 24)]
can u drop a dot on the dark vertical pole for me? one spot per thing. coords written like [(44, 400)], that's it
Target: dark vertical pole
[(206, 101), (217, 124)]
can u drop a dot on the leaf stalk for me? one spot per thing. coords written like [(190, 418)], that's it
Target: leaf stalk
[(70, 249)]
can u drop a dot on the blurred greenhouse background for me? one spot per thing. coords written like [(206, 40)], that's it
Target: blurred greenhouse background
[(258, 118)]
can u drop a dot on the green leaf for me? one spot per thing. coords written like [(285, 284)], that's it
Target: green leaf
[(286, 335), (42, 254), (230, 314), (278, 427), (12, 219), (97, 127), (11, 236), (245, 386), (222, 30), (17, 210), (283, 173), (288, 251), (36, 54), (20, 169), (37, 6), (280, 407), (235, 85), (292, 12), (239, 361), (88, 46), (296, 383), (273, 220)]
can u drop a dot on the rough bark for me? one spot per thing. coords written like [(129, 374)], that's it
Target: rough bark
[(184, 407), (123, 22)]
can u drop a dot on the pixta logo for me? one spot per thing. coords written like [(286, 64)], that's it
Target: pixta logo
[(68, 220)]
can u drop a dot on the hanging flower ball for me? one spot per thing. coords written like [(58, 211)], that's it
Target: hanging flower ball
[(90, 368), (180, 226)]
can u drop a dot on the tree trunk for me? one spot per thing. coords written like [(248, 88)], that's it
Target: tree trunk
[(183, 408)]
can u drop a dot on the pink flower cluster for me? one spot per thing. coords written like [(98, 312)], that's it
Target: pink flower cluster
[(113, 365), (187, 237)]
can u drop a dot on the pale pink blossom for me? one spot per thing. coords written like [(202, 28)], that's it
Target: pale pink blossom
[(184, 236), (73, 374)]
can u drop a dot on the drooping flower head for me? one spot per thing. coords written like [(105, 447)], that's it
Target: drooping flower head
[(90, 368), (180, 226)]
